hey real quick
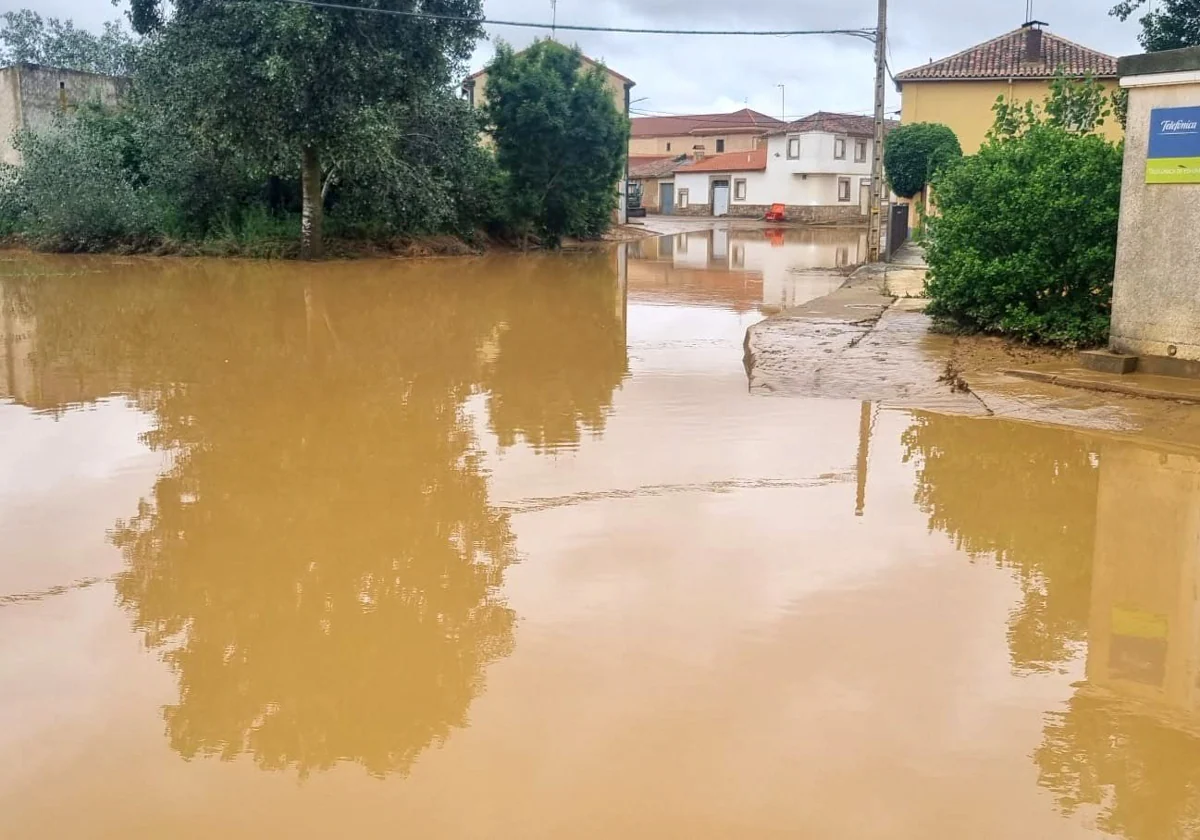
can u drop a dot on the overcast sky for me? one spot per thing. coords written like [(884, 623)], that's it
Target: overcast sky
[(681, 74)]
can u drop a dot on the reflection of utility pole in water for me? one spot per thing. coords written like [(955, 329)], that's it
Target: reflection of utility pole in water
[(864, 452)]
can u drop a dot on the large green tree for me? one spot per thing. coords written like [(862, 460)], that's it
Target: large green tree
[(28, 38), (559, 136), (299, 85), (1167, 25), (914, 152)]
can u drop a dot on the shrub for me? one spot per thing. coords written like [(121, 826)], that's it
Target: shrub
[(1025, 243), (72, 191), (559, 138), (914, 153)]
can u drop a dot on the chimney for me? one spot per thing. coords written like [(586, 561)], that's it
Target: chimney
[(1033, 42)]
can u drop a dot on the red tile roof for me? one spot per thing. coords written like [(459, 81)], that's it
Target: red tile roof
[(739, 122), (1005, 58), (730, 162), (854, 125)]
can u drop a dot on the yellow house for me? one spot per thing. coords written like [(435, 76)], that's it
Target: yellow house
[(959, 91)]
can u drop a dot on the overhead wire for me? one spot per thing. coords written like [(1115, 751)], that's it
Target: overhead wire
[(866, 33)]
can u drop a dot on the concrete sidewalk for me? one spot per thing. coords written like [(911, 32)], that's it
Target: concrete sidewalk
[(864, 342)]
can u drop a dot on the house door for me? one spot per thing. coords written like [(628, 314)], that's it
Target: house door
[(720, 203), (666, 199)]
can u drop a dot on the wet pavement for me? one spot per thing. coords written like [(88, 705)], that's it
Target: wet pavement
[(509, 547)]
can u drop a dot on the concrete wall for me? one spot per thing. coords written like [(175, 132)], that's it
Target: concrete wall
[(684, 144), (967, 106), (1156, 297), (32, 97)]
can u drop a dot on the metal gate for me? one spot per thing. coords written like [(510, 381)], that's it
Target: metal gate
[(666, 199)]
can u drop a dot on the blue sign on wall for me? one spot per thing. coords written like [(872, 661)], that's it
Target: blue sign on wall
[(1174, 154)]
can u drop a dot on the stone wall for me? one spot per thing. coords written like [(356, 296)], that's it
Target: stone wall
[(1156, 299), (32, 97)]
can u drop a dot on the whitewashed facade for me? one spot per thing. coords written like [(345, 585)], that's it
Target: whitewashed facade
[(819, 175)]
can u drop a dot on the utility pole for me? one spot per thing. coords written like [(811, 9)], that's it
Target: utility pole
[(876, 248), (782, 102)]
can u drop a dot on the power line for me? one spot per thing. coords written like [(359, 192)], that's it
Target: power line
[(867, 34)]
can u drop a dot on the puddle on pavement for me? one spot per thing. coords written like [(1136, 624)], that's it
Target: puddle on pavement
[(505, 548)]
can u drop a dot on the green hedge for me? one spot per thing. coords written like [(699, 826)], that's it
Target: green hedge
[(1025, 240)]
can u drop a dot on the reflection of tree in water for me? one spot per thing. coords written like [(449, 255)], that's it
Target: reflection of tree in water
[(562, 355), (1025, 495), (1143, 772), (320, 564)]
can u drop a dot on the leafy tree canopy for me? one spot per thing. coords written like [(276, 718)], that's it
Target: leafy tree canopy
[(28, 38), (1167, 25), (914, 152), (560, 137), (1025, 241), (297, 85)]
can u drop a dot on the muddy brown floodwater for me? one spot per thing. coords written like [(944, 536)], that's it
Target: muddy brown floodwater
[(506, 548)]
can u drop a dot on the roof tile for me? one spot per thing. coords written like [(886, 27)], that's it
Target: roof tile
[(730, 162), (854, 125), (1004, 58), (743, 121)]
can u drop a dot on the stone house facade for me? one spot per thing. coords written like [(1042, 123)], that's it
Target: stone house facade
[(32, 96)]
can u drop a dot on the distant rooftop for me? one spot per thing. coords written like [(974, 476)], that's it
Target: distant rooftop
[(737, 122), (1009, 57), (730, 162), (854, 125)]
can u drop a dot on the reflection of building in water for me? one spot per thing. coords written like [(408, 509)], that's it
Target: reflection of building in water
[(32, 377), (1128, 741), (1144, 632), (769, 269), (16, 351)]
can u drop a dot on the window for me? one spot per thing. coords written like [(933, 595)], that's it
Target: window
[(739, 189), (668, 147), (682, 199), (843, 189), (720, 144), (839, 148), (793, 148), (860, 151)]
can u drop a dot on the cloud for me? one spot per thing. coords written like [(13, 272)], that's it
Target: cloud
[(678, 74)]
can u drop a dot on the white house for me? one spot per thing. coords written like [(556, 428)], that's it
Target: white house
[(819, 167)]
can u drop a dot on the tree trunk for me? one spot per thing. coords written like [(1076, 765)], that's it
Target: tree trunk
[(313, 209)]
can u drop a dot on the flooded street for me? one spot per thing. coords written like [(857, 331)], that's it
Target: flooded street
[(506, 548)]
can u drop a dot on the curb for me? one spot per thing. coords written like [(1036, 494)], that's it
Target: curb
[(1107, 387)]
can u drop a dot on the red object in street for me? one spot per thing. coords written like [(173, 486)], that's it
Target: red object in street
[(775, 214)]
